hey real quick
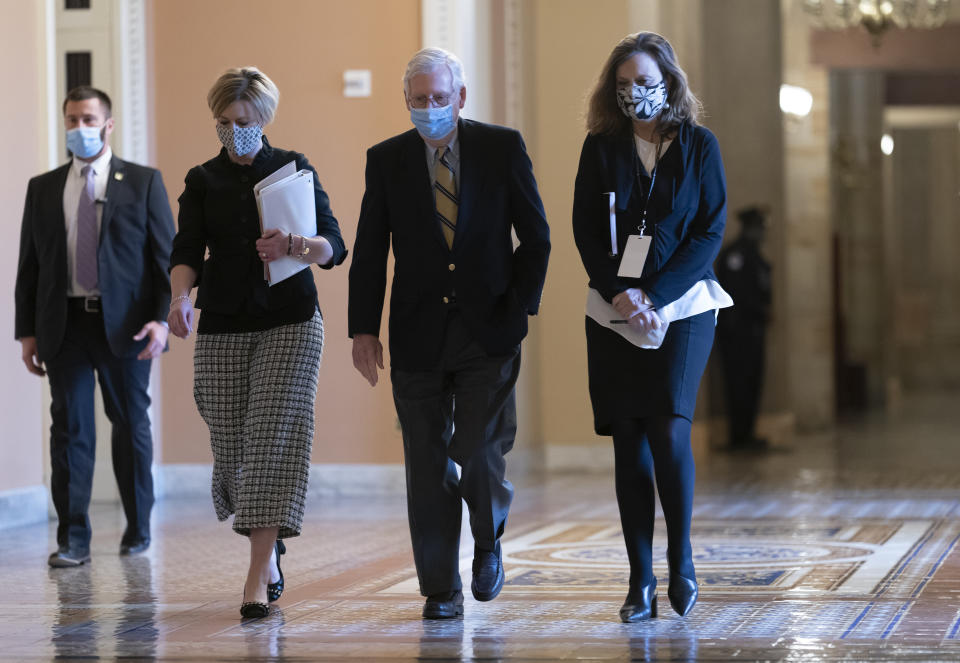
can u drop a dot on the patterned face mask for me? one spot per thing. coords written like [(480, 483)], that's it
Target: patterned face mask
[(239, 140), (642, 102)]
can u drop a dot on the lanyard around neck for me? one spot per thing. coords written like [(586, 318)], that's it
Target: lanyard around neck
[(653, 178)]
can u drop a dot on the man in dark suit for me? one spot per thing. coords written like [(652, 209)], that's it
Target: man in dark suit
[(741, 329), (448, 194), (92, 293)]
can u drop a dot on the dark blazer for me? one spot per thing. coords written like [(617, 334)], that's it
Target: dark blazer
[(219, 221), (494, 285), (687, 213), (136, 232)]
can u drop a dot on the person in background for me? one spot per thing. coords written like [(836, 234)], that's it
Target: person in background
[(92, 293), (741, 330), (448, 194), (258, 347), (644, 144)]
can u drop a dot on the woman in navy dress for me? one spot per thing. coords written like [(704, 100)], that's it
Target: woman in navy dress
[(644, 144)]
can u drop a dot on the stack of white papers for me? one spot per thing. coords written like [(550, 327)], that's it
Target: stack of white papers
[(286, 202)]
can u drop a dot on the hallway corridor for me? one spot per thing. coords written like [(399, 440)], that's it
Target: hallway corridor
[(844, 548)]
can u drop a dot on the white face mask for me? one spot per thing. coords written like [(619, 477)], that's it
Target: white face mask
[(239, 140), (642, 102)]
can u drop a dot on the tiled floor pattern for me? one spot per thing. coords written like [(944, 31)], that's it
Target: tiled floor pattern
[(845, 548)]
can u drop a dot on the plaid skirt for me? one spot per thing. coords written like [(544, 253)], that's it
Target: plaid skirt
[(256, 393)]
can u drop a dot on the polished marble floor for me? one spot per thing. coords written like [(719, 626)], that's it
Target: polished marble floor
[(843, 548)]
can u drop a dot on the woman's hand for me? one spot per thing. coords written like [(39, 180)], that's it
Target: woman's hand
[(645, 321), (180, 317), (630, 302), (272, 245)]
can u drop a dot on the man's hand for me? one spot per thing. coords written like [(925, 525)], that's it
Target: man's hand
[(367, 356), (157, 332), (28, 350), (630, 302)]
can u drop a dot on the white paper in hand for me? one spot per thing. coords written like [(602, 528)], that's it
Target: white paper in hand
[(289, 206)]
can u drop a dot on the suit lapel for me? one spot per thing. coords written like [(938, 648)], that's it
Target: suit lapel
[(624, 168), (471, 177), (114, 185), (58, 218), (418, 184)]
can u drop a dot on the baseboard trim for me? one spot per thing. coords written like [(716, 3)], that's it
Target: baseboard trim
[(191, 480), (23, 506)]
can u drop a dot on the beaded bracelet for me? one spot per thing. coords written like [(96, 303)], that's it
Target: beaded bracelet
[(178, 299)]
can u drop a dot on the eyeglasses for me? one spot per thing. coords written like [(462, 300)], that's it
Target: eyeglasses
[(435, 100)]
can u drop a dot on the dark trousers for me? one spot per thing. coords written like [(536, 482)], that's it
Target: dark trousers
[(83, 357), (647, 451), (742, 351), (461, 412)]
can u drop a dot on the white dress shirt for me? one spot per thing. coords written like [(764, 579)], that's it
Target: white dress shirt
[(71, 199)]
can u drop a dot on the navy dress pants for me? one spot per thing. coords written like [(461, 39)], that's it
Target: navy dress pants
[(464, 412), (83, 358)]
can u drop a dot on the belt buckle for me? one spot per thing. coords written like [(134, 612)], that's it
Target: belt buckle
[(91, 304)]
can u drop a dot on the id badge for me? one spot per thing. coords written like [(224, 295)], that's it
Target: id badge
[(634, 256)]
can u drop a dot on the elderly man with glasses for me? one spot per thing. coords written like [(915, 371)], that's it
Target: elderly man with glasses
[(449, 194)]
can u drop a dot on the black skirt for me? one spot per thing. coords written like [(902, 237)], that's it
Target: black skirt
[(627, 382)]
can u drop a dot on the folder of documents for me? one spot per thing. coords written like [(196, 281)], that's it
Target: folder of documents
[(286, 202)]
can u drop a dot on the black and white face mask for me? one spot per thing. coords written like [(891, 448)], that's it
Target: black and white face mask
[(239, 140), (642, 102)]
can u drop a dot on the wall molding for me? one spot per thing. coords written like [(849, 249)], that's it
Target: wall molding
[(23, 506)]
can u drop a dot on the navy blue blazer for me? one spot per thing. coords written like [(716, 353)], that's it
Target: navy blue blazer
[(686, 217), (494, 285), (136, 233)]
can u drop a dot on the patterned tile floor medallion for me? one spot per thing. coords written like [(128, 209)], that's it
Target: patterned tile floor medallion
[(843, 547)]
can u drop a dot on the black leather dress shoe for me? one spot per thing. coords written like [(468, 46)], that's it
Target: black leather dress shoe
[(682, 593), (134, 547), (66, 557), (487, 574), (640, 604), (447, 605)]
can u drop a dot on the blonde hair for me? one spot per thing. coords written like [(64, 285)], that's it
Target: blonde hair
[(245, 84), (604, 115)]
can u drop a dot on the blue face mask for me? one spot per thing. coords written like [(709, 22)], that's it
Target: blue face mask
[(433, 123), (85, 142)]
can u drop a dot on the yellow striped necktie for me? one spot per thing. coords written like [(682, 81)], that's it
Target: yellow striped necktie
[(445, 195)]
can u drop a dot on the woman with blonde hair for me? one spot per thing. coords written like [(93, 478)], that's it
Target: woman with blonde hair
[(258, 346), (652, 247)]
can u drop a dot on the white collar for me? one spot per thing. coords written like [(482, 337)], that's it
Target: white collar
[(100, 165)]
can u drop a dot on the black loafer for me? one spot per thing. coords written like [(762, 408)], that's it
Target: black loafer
[(275, 589), (447, 605), (134, 547), (682, 593), (487, 574), (640, 605), (66, 558)]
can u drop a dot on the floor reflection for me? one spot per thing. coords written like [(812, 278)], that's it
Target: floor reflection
[(846, 550)]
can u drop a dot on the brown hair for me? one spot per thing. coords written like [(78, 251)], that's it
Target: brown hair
[(245, 84), (603, 113), (84, 92)]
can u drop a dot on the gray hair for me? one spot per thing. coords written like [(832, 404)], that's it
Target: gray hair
[(428, 60)]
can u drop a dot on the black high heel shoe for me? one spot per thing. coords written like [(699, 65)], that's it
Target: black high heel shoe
[(253, 609), (640, 605), (275, 589), (682, 593)]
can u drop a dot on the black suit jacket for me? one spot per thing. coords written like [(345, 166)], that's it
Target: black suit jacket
[(686, 216), (495, 285), (136, 231)]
